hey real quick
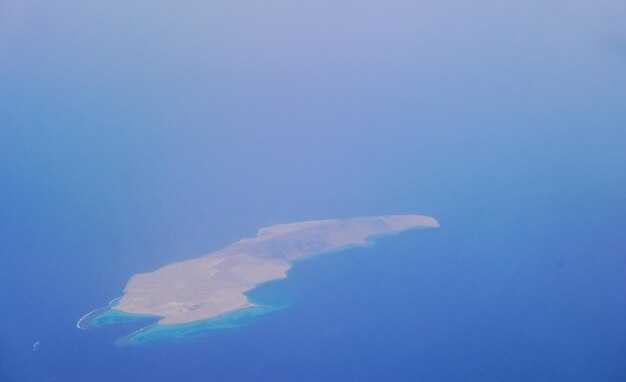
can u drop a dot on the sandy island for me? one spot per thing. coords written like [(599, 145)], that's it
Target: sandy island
[(214, 284)]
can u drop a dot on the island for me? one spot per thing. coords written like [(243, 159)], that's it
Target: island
[(215, 284)]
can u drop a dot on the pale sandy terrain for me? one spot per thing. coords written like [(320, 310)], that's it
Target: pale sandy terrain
[(214, 284)]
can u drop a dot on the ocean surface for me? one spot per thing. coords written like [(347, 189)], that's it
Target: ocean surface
[(472, 300), (133, 136)]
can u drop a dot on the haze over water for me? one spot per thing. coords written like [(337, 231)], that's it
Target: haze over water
[(136, 135)]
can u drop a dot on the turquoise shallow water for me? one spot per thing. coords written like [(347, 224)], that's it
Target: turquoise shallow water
[(196, 330), (109, 316), (261, 297)]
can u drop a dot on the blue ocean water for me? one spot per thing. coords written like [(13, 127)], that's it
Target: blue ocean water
[(133, 136), (461, 302)]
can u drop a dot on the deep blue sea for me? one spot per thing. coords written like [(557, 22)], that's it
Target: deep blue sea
[(522, 296), (134, 135)]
